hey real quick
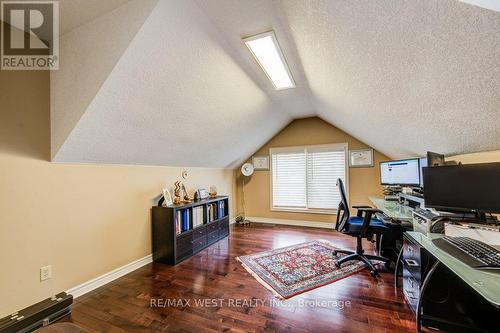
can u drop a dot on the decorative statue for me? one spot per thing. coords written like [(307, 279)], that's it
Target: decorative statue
[(186, 196), (177, 192), (213, 191), (178, 187)]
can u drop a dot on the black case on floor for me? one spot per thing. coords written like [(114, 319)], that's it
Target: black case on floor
[(37, 315)]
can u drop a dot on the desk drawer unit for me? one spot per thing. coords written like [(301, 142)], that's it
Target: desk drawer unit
[(411, 258), (412, 271), (411, 289)]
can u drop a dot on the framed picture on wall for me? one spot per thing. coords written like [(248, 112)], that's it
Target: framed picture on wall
[(260, 162), (361, 158)]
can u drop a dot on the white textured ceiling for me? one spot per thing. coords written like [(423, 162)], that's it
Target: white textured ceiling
[(178, 87), (403, 76)]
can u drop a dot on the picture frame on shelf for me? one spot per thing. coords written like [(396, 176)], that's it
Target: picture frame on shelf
[(167, 197), (361, 158)]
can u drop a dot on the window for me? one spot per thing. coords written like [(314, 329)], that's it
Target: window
[(304, 178)]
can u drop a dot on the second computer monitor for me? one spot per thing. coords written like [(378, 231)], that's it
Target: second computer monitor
[(435, 159), (423, 164), (401, 172)]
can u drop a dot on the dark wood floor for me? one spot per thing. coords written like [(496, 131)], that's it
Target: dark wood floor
[(124, 304)]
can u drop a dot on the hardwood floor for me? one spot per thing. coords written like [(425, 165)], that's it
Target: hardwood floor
[(125, 304)]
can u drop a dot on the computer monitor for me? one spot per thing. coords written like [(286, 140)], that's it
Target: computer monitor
[(468, 187), (401, 172), (423, 164), (435, 159)]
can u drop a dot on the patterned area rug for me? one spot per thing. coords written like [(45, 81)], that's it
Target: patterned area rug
[(295, 269)]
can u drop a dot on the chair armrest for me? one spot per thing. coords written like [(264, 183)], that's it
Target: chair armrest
[(361, 206), (370, 209), (360, 209), (366, 209), (368, 213)]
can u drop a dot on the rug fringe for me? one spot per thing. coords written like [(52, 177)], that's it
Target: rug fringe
[(262, 282)]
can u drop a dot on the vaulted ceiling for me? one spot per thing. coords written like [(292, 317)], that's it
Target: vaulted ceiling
[(161, 82)]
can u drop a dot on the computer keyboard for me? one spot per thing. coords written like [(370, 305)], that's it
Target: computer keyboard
[(427, 214), (472, 252)]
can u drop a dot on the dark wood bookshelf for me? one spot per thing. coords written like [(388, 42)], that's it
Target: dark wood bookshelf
[(176, 237)]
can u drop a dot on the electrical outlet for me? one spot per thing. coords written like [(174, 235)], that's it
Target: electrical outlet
[(45, 273)]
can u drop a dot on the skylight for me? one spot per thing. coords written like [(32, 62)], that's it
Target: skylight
[(488, 4), (265, 49)]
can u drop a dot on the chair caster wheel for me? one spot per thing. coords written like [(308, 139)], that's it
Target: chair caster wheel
[(337, 264), (373, 273), (335, 253)]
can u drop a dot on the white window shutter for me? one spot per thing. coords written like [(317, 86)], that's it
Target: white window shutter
[(289, 179), (324, 167), (304, 178)]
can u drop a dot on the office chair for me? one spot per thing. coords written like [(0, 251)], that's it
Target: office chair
[(361, 226)]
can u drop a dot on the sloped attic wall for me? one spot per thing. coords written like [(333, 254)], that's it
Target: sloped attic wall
[(175, 97), (88, 54)]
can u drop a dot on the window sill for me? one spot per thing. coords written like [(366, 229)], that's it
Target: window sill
[(305, 210)]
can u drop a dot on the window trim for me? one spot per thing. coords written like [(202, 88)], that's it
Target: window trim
[(332, 146)]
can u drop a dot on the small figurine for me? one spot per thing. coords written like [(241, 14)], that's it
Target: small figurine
[(186, 196), (177, 192), (213, 191)]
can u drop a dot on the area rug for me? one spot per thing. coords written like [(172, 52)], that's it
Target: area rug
[(295, 269)]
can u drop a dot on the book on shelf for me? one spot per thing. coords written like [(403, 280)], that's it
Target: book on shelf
[(222, 206), (212, 212), (197, 216), (184, 220), (178, 222)]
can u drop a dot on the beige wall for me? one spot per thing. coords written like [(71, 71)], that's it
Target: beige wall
[(309, 131), (482, 157), (84, 220)]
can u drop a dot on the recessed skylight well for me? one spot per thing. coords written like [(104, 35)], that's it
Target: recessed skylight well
[(265, 49)]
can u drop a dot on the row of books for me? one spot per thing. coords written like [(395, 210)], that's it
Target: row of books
[(184, 219), (216, 210)]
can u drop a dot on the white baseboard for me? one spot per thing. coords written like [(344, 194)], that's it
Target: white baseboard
[(100, 281), (312, 224)]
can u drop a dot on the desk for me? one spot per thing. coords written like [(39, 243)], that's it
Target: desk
[(401, 220), (447, 273), (472, 297), (393, 209)]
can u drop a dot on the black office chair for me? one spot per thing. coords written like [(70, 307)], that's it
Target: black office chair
[(361, 226)]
